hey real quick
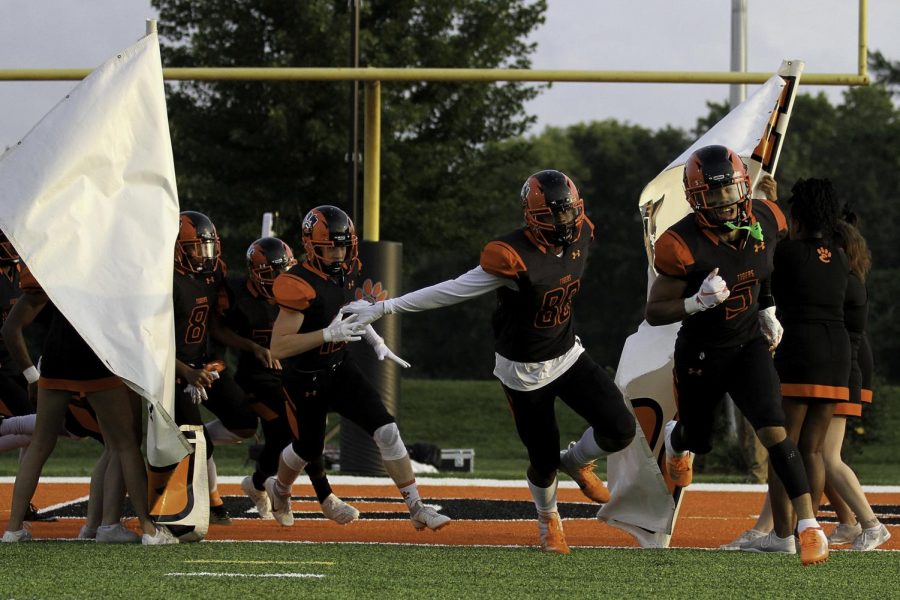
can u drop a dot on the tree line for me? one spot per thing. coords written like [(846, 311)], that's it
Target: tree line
[(454, 155)]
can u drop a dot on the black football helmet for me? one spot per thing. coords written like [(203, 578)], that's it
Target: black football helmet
[(267, 258), (554, 211), (197, 249), (329, 226), (715, 177), (8, 254)]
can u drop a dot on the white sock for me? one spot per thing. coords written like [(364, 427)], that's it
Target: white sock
[(11, 442), (806, 524), (221, 435), (23, 425), (410, 494), (544, 498), (586, 449), (670, 426), (211, 475)]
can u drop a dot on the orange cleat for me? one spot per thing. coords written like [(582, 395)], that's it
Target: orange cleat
[(681, 469), (552, 537), (813, 546), (591, 485)]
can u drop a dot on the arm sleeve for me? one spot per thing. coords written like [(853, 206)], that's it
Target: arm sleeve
[(469, 285)]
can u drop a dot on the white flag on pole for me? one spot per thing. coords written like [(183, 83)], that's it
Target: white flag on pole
[(90, 204), (643, 501)]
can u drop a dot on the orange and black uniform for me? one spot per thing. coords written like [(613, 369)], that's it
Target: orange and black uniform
[(13, 387), (195, 296), (324, 379), (856, 312), (809, 284), (533, 323), (722, 350), (252, 316)]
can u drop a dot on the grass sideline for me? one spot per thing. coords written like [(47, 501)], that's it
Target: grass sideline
[(263, 570), (474, 414)]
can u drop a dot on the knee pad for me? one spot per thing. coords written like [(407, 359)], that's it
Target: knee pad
[(788, 465), (387, 438), (292, 459)]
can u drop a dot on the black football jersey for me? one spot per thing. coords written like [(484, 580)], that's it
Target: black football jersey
[(533, 323), (319, 299), (810, 281), (251, 316), (689, 252), (194, 296)]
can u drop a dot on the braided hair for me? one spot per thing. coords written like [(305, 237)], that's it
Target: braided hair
[(814, 205)]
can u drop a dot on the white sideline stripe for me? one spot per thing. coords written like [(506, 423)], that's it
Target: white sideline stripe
[(461, 482), (279, 575)]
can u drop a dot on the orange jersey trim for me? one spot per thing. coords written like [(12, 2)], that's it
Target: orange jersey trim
[(501, 259), (780, 219), (672, 255), (865, 395), (293, 292), (85, 387), (848, 409), (809, 390)]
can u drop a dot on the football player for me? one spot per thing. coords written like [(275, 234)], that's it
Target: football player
[(199, 298), (536, 272), (309, 337), (251, 315), (714, 267)]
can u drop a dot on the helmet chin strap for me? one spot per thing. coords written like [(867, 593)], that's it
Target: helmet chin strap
[(755, 230)]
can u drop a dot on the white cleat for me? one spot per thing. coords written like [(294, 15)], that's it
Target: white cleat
[(22, 535), (743, 539), (339, 511), (259, 497), (871, 538), (772, 543), (281, 503), (162, 537), (116, 534), (844, 534), (423, 516)]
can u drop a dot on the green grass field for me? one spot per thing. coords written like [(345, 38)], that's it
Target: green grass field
[(457, 414), (264, 570)]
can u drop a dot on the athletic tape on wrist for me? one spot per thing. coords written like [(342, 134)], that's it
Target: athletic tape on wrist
[(31, 374)]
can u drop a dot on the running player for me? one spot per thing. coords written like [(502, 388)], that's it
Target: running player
[(536, 272)]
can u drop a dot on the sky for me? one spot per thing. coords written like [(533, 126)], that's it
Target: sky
[(640, 35)]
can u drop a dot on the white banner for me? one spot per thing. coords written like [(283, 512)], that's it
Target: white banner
[(644, 502), (90, 203)]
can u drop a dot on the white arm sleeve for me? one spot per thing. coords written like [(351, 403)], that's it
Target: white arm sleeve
[(469, 285)]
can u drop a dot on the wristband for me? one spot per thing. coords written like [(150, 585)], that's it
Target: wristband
[(692, 305), (31, 374)]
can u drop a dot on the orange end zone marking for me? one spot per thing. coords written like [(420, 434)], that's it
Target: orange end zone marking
[(706, 518)]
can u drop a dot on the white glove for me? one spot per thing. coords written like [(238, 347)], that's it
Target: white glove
[(382, 352), (712, 292), (771, 327), (344, 330), (198, 394), (367, 311), (380, 348)]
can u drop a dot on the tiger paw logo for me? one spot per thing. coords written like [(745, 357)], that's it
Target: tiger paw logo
[(371, 291), (824, 255)]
